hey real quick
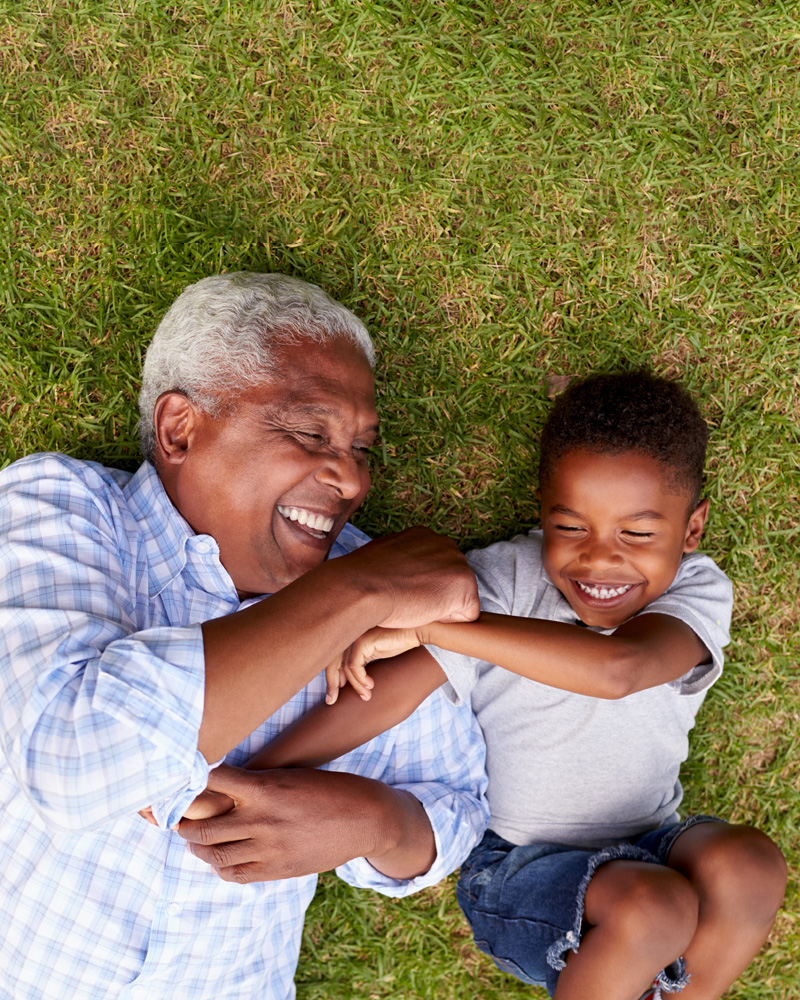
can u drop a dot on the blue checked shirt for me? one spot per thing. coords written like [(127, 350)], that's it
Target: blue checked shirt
[(102, 589)]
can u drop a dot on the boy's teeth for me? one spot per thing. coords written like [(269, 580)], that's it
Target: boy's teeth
[(604, 593), (314, 521)]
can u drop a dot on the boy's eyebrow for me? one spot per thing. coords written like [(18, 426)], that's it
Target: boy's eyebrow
[(639, 515)]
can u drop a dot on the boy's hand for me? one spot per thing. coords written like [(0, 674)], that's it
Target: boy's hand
[(376, 644)]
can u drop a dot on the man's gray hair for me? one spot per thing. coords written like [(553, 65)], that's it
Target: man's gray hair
[(219, 338)]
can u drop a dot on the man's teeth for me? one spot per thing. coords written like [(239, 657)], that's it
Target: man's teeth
[(316, 522), (604, 593)]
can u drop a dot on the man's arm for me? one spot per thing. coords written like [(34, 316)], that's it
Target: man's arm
[(287, 823), (258, 658), (86, 682)]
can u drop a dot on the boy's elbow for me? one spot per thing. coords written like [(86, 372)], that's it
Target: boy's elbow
[(621, 673)]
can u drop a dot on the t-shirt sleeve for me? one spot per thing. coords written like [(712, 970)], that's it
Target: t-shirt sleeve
[(496, 596), (701, 596)]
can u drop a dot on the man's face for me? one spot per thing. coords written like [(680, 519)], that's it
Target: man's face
[(614, 533), (275, 480)]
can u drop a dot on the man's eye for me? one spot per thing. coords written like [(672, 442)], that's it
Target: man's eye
[(640, 534), (568, 527), (309, 436)]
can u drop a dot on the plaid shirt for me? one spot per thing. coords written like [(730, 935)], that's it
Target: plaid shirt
[(102, 589)]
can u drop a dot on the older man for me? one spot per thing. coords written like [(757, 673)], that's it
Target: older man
[(136, 648)]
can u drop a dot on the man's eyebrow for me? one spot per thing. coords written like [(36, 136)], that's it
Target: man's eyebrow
[(318, 410)]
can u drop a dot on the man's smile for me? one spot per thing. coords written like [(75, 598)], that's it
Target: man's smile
[(317, 525)]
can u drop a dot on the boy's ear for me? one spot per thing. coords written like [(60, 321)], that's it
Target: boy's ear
[(174, 418), (694, 529)]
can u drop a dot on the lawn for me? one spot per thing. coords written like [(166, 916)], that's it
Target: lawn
[(507, 193)]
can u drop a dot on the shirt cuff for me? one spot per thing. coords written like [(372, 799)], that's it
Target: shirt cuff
[(458, 821)]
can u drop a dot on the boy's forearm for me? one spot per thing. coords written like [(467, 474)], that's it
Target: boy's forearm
[(644, 652), (328, 731)]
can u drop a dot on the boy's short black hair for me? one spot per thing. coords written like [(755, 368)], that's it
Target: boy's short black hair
[(629, 411)]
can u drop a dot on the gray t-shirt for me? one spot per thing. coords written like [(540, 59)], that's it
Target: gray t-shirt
[(564, 767)]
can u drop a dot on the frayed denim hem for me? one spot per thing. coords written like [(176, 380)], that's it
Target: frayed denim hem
[(682, 827), (673, 978), (669, 980), (572, 938)]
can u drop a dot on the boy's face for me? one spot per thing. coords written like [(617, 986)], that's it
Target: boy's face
[(615, 529)]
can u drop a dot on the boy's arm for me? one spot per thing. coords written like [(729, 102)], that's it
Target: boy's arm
[(643, 652), (322, 734)]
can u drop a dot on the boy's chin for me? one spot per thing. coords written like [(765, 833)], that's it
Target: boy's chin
[(599, 617)]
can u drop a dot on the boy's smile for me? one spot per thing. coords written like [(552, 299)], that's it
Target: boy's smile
[(615, 528)]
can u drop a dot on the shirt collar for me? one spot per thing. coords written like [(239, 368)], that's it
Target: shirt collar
[(164, 530)]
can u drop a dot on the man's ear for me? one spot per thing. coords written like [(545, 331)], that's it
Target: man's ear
[(174, 418), (694, 529)]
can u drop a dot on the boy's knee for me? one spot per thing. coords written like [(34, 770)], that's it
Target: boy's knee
[(749, 869), (652, 907), (737, 868)]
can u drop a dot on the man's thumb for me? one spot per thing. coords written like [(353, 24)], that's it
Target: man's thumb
[(228, 779)]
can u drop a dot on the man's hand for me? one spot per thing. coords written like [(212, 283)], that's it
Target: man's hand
[(299, 821), (376, 644), (423, 575)]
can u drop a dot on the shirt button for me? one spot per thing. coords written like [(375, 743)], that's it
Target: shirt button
[(173, 909)]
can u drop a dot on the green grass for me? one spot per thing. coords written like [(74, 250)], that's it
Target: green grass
[(504, 192)]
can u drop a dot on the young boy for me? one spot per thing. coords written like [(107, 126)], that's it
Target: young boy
[(587, 882)]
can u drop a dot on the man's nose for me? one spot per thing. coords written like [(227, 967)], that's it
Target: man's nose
[(341, 471)]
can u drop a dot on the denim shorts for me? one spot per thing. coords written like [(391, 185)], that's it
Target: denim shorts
[(525, 904)]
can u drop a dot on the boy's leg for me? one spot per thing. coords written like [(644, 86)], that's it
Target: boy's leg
[(739, 876), (640, 917)]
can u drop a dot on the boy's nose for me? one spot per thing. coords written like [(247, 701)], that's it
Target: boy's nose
[(600, 552)]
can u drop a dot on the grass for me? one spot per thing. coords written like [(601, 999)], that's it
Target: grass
[(504, 192)]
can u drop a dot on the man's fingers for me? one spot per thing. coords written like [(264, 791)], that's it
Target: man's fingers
[(253, 871), (226, 854)]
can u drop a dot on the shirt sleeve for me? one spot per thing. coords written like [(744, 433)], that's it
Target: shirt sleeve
[(438, 755), (701, 595), (462, 671), (97, 718)]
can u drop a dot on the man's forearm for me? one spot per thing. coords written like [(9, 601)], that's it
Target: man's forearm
[(258, 658)]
